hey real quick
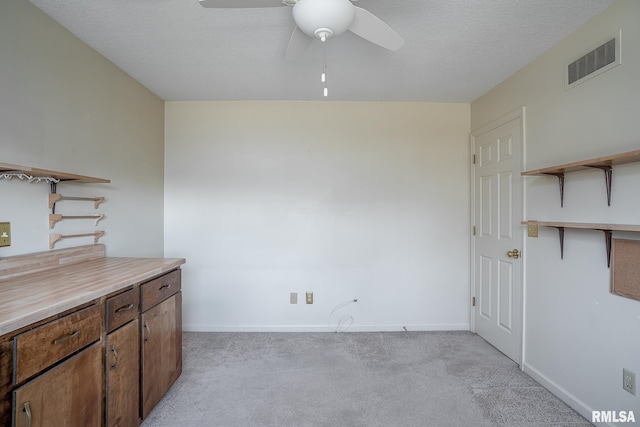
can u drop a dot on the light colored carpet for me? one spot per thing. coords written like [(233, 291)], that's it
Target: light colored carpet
[(353, 379)]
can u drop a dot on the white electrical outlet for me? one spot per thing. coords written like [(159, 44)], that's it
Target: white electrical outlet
[(293, 298), (629, 381)]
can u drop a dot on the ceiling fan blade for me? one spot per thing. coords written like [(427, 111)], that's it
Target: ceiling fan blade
[(298, 44), (233, 4), (371, 28)]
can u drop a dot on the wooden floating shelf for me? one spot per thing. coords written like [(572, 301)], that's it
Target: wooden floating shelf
[(603, 163), (598, 162), (608, 229), (584, 225), (62, 176)]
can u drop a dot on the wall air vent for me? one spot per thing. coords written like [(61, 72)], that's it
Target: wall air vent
[(595, 62)]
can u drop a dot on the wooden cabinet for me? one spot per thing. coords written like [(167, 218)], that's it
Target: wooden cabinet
[(69, 394), (122, 367), (122, 376), (49, 390), (161, 334), (105, 361)]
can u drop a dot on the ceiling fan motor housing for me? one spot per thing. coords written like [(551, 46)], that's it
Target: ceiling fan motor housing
[(315, 17)]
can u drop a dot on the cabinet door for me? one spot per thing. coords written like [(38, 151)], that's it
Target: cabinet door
[(161, 350), (123, 376), (6, 376), (68, 395)]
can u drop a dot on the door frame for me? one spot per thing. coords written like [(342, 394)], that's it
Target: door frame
[(518, 113)]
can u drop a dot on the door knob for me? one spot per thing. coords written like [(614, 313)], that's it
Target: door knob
[(515, 254)]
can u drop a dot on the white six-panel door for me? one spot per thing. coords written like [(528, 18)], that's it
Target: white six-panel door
[(497, 212)]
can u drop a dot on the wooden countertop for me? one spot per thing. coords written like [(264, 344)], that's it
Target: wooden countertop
[(34, 296)]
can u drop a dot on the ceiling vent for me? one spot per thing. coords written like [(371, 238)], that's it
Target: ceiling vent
[(593, 63)]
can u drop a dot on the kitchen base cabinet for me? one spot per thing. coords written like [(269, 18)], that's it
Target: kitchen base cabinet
[(71, 350), (123, 376), (161, 350), (69, 394)]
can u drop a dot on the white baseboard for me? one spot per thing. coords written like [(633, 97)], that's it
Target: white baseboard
[(578, 405), (324, 328)]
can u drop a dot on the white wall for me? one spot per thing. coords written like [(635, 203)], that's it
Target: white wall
[(348, 200), (578, 336), (66, 108)]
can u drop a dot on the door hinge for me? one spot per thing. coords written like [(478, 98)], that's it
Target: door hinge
[(473, 159), (474, 230), (473, 301)]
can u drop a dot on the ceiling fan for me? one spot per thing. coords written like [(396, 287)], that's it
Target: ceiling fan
[(323, 19)]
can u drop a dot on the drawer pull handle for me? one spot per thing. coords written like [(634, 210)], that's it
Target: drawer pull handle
[(124, 307), (146, 338), (67, 337), (115, 357), (164, 287), (27, 409)]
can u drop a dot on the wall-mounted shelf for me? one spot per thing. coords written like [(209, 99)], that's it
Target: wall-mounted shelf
[(606, 228), (53, 218), (603, 163), (8, 170), (55, 198), (25, 173)]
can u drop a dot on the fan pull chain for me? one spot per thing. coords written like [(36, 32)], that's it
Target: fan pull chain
[(323, 78)]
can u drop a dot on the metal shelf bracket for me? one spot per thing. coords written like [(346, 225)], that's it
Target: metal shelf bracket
[(608, 175), (560, 176)]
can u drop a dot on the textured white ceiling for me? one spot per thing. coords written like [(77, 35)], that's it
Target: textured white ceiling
[(455, 50)]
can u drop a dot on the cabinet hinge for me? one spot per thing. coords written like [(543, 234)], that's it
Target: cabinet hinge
[(473, 159), (473, 302), (474, 230)]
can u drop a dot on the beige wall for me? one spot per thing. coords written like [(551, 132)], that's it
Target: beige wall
[(348, 200), (64, 107), (578, 336)]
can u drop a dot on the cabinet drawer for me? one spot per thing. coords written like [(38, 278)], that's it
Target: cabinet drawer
[(121, 309), (41, 347), (159, 289)]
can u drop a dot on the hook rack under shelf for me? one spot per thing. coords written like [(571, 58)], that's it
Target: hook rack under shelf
[(31, 174), (53, 238), (29, 178), (54, 198), (53, 218)]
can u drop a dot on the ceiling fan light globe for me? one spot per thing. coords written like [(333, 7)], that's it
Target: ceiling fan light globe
[(312, 15)]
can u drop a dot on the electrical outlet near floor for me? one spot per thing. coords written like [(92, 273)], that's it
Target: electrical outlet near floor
[(309, 297), (293, 298), (5, 234), (629, 381)]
